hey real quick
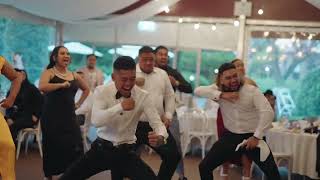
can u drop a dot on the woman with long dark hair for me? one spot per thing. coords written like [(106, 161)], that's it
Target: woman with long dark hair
[(7, 147), (62, 143)]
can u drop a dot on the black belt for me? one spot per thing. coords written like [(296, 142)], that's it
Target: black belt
[(109, 144)]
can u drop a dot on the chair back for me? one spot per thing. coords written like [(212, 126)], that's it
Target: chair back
[(195, 120)]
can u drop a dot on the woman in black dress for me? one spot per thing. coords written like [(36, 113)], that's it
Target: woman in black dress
[(62, 143)]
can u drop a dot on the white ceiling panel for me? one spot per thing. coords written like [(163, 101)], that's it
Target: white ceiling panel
[(70, 10), (315, 3)]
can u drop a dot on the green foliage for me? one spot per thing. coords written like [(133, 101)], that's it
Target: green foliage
[(308, 96), (210, 61), (30, 40), (106, 61), (187, 63)]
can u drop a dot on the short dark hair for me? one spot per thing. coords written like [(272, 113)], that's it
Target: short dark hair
[(89, 55), (269, 92), (124, 63), (145, 49), (160, 47), (225, 67), (222, 68)]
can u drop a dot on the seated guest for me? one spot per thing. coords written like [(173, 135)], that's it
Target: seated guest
[(246, 116), (116, 110), (271, 98), (26, 109)]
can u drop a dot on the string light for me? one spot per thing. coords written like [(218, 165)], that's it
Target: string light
[(269, 49), (267, 69), (236, 23), (196, 26), (260, 11), (166, 9), (213, 27)]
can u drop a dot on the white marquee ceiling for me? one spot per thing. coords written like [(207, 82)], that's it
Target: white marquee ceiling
[(70, 10), (90, 12)]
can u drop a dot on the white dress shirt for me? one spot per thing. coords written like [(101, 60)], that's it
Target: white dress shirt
[(119, 126), (157, 83), (94, 78), (86, 106), (251, 113)]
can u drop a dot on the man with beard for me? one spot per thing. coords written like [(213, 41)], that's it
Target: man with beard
[(92, 75), (157, 83), (178, 83), (246, 116)]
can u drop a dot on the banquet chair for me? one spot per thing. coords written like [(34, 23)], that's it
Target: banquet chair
[(195, 124), (29, 132)]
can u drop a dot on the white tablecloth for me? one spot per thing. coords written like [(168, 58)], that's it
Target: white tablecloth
[(302, 146)]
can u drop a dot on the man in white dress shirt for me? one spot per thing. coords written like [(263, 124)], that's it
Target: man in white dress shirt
[(117, 108), (91, 74), (246, 115), (157, 83)]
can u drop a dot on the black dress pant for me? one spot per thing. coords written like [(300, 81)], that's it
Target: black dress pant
[(224, 150), (104, 156), (168, 152), (20, 123)]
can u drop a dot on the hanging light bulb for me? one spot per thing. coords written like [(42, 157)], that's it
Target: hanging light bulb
[(166, 9), (267, 68), (260, 11), (300, 54), (213, 27), (269, 49), (196, 26), (236, 23)]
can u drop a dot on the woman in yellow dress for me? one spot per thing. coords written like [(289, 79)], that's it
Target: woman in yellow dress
[(7, 147)]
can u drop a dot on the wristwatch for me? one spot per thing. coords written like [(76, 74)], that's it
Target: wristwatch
[(177, 83), (256, 138)]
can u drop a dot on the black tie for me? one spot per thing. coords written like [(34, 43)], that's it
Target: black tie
[(119, 95)]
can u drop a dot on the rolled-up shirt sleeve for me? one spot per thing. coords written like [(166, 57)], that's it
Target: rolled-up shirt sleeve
[(210, 92), (101, 113), (169, 98), (86, 107), (154, 118), (266, 113)]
